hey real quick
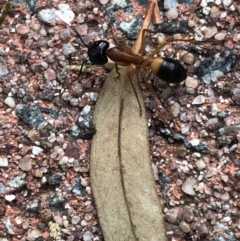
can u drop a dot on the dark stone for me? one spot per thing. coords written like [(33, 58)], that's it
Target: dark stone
[(34, 208), (33, 115), (197, 146), (225, 63), (55, 180), (172, 27), (47, 95), (78, 188), (132, 28), (86, 128), (165, 184), (55, 201)]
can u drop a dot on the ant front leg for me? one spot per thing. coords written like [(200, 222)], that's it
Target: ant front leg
[(117, 70)]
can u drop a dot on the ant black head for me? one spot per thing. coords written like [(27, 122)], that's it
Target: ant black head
[(172, 71), (97, 52)]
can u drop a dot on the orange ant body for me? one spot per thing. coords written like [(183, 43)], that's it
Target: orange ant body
[(167, 69)]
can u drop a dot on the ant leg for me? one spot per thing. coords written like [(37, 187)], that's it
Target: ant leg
[(151, 88), (117, 70), (173, 40), (80, 72), (163, 45)]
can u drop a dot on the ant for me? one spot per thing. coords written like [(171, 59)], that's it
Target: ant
[(167, 69)]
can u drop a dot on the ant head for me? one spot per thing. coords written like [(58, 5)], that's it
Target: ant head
[(97, 52)]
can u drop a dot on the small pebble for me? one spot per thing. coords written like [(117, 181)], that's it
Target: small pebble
[(188, 58), (85, 181), (10, 102), (185, 128), (83, 169), (68, 49), (226, 219), (236, 37), (22, 29), (187, 214), (202, 229), (171, 215), (200, 99), (58, 219), (225, 197), (84, 223), (88, 217), (10, 197), (75, 219), (206, 10), (191, 82), (35, 26), (36, 150), (203, 3), (8, 226), (74, 102), (185, 227), (188, 186), (227, 3), (220, 36), (44, 64), (95, 10), (3, 162), (33, 135), (65, 223), (104, 2), (3, 69), (191, 23), (49, 74), (33, 235), (237, 235), (210, 32), (200, 164), (175, 109), (63, 160), (172, 13), (215, 10), (87, 236), (25, 164), (155, 172), (224, 178), (38, 173)]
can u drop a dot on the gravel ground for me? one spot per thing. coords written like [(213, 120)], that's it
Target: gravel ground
[(45, 136)]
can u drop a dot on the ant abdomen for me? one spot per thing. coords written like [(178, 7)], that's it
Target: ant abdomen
[(169, 70), (97, 52)]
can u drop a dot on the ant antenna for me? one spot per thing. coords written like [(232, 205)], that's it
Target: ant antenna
[(79, 73), (80, 37), (81, 68)]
